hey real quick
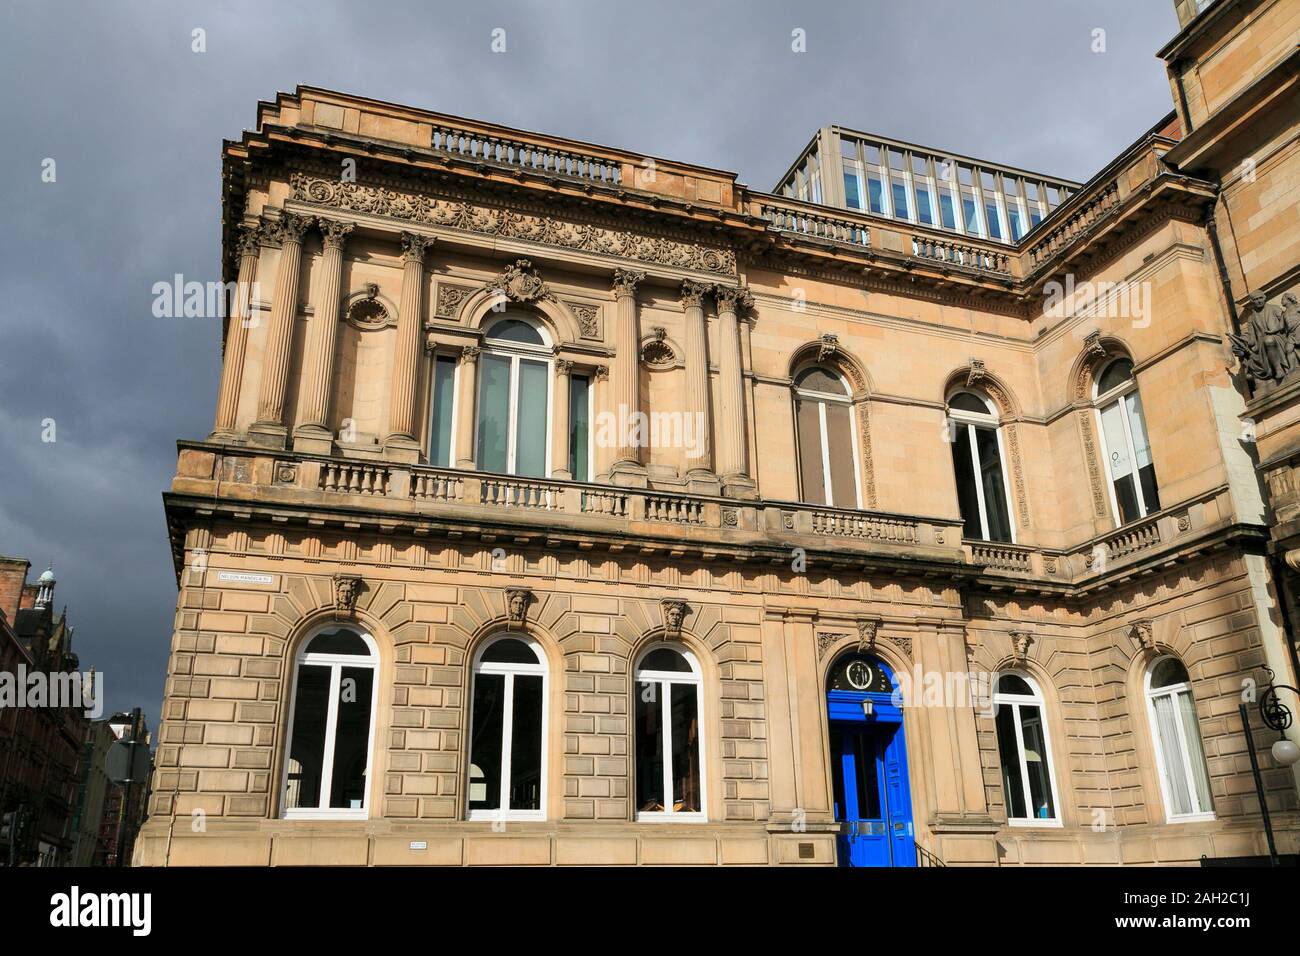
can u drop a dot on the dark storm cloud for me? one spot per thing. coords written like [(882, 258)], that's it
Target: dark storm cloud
[(112, 92)]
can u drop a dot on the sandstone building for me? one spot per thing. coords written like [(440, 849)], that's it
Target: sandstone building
[(568, 506)]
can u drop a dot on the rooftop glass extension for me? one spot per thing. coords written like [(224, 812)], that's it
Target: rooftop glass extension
[(885, 177)]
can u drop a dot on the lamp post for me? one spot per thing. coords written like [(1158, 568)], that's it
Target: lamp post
[(1277, 716)]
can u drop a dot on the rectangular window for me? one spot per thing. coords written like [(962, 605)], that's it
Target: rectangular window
[(525, 742), (1013, 218), (649, 747), (947, 212), (1040, 781), (970, 212), (686, 747), (531, 417), (876, 194), (1121, 465), (967, 495), (486, 737), (993, 219), (307, 748), (1146, 469), (902, 209), (839, 438), (494, 413), (580, 428), (852, 189), (1012, 783), (352, 739), (995, 497), (811, 469), (924, 207), (444, 384)]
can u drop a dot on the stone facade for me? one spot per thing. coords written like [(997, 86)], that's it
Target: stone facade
[(316, 501)]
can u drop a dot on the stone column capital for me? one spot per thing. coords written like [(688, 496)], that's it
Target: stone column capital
[(248, 240), (414, 246), (563, 366), (601, 372), (289, 228), (334, 232), (626, 281), (693, 293), (469, 353), (733, 298)]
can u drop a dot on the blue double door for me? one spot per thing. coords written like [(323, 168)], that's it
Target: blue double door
[(873, 800)]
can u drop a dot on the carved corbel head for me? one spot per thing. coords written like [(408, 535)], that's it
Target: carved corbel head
[(1142, 634), (347, 588), (868, 629), (976, 374), (1093, 350), (827, 346), (674, 615), (1021, 641), (517, 601)]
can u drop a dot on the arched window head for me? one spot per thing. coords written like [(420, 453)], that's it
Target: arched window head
[(669, 691), (1180, 755), (513, 426), (508, 720), (514, 330), (331, 726), (1125, 447), (1028, 778), (827, 438), (978, 466)]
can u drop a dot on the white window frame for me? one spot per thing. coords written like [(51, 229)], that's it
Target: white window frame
[(971, 421), (663, 678), (516, 351), (455, 407), (821, 398), (509, 671), (1015, 702), (1185, 755), (336, 663), (591, 420), (1101, 402)]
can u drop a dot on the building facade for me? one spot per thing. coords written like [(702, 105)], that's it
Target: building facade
[(565, 505)]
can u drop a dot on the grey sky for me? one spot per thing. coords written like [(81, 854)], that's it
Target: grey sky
[(134, 120)]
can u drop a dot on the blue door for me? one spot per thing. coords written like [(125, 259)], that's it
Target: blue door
[(873, 799)]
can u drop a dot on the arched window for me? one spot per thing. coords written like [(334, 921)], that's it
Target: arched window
[(514, 398), (669, 749), (1028, 780), (1124, 441), (1180, 757), (507, 750), (331, 727), (827, 439), (978, 463)]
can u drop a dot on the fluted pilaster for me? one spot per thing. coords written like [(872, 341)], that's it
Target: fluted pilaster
[(731, 396), (627, 467), (406, 350), (698, 400), (312, 433), (232, 366), (269, 428)]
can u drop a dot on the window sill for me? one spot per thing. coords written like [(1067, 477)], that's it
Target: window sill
[(314, 814), (1191, 818), (1036, 824), (508, 816), (661, 816)]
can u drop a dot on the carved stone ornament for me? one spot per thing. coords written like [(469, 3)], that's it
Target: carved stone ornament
[(626, 281), (868, 629), (693, 294), (826, 640), (517, 601), (588, 318), (414, 246), (674, 615), (333, 232), (1269, 340), (1021, 641), (976, 374), (449, 300), (289, 228), (347, 588), (529, 222), (519, 282), (1142, 634), (1093, 350), (367, 312), (249, 242), (656, 352), (827, 346)]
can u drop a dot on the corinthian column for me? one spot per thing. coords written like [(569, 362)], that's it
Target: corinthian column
[(401, 442), (731, 395), (467, 383), (312, 433), (269, 428), (232, 367), (699, 469), (627, 468)]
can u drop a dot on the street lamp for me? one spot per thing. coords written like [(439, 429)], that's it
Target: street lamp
[(1277, 716)]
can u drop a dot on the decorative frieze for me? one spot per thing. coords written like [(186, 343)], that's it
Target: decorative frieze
[(518, 222), (588, 319), (450, 299)]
